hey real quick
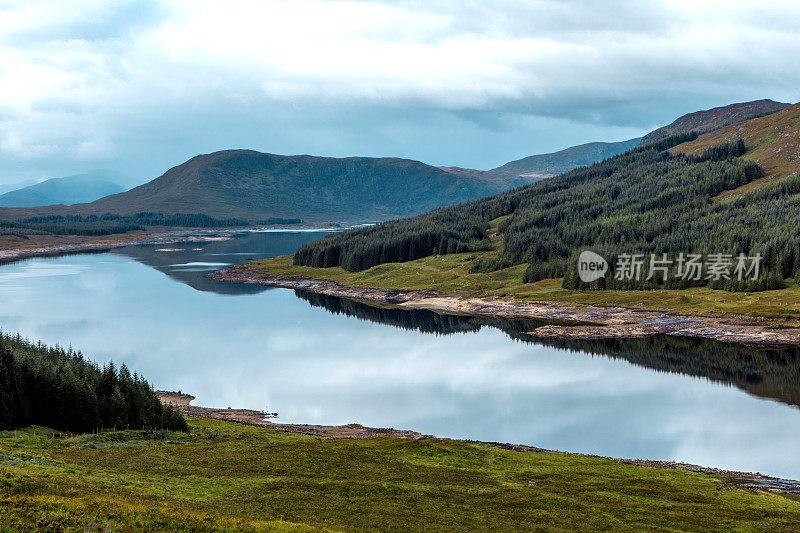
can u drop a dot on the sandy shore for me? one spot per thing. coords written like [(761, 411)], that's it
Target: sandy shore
[(576, 322)]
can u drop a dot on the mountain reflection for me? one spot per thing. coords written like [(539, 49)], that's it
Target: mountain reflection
[(189, 262), (766, 373)]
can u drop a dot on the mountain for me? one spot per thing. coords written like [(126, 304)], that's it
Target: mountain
[(6, 187), (76, 189), (541, 166), (252, 185), (712, 119), (536, 167), (772, 141)]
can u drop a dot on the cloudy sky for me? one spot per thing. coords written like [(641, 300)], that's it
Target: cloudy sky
[(139, 87)]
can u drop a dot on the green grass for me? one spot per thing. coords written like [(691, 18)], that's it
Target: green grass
[(225, 476), (449, 275)]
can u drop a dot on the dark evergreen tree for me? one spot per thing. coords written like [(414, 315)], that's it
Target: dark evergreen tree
[(58, 388)]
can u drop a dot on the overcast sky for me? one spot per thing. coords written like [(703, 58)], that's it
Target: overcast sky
[(139, 87)]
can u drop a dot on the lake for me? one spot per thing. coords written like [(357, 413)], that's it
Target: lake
[(323, 360)]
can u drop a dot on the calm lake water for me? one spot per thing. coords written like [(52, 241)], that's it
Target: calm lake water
[(324, 360)]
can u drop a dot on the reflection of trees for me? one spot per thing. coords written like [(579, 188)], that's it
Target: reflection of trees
[(768, 373), (422, 320)]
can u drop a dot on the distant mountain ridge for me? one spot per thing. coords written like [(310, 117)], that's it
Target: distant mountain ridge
[(7, 187), (713, 119), (252, 185), (80, 188), (542, 166)]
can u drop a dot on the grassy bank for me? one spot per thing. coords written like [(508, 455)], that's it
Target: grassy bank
[(449, 275), (227, 476)]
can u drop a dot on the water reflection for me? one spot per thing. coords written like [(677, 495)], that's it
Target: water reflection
[(768, 373), (273, 350), (190, 262)]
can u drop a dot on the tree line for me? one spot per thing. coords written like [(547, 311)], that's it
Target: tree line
[(109, 223), (59, 389)]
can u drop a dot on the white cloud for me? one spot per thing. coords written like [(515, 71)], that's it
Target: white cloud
[(78, 79)]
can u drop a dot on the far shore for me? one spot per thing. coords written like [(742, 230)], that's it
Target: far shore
[(13, 248), (569, 321), (55, 245)]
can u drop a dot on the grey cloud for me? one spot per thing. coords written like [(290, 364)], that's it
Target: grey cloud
[(504, 79)]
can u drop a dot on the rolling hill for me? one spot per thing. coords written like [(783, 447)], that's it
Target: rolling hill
[(772, 141), (252, 185), (716, 118), (542, 166), (76, 189), (536, 167)]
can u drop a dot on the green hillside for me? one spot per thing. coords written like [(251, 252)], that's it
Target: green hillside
[(230, 477), (772, 141), (646, 201)]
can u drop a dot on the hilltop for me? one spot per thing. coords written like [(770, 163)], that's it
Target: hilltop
[(251, 185), (536, 167), (713, 119), (6, 187)]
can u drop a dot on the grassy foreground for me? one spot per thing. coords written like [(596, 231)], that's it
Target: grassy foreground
[(225, 476)]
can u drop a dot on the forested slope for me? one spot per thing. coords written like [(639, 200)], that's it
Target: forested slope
[(646, 201), (772, 141)]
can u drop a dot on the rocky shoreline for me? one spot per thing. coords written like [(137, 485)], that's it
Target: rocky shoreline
[(569, 321)]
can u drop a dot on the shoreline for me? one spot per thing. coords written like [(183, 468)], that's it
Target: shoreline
[(751, 480), (161, 236), (570, 321), (9, 255)]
